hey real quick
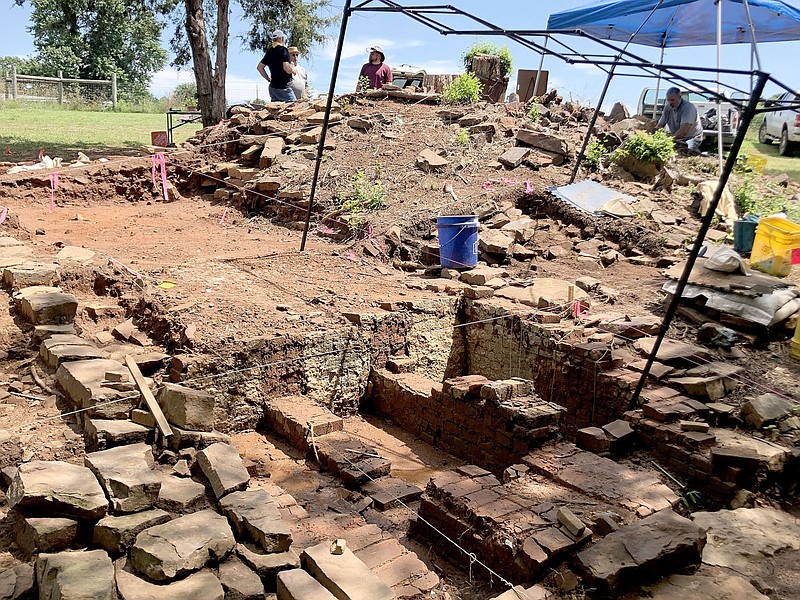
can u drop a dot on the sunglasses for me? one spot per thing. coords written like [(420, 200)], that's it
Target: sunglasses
[(295, 54)]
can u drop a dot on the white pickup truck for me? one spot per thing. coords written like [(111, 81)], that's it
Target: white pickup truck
[(706, 107), (782, 125)]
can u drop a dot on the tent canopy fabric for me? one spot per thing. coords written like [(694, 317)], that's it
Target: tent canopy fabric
[(681, 22)]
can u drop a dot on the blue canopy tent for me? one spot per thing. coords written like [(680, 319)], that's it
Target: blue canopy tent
[(675, 23)]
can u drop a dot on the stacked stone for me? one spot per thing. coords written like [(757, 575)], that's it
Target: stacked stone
[(588, 379), (494, 423), (512, 535), (263, 138)]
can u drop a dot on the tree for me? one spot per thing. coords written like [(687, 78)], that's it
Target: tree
[(92, 39), (204, 33), (26, 66)]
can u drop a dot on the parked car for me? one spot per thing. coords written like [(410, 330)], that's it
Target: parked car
[(706, 108), (782, 125)]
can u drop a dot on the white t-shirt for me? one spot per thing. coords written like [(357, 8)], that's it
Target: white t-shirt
[(299, 82)]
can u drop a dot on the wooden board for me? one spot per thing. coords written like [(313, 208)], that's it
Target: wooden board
[(152, 404)]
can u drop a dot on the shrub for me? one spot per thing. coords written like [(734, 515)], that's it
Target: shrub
[(462, 137), (482, 47), (595, 154), (465, 89), (364, 195), (655, 148), (533, 112), (363, 83)]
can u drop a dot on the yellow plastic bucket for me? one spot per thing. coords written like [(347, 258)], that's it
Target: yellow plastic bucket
[(776, 247), (794, 351)]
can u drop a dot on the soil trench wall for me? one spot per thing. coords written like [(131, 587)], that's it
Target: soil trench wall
[(332, 367), (585, 379)]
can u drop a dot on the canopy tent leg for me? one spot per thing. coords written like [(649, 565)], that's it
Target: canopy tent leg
[(719, 85), (326, 120), (753, 44), (541, 64), (579, 158), (747, 117), (658, 81)]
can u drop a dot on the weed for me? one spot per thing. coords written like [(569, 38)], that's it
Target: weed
[(465, 89), (750, 200), (648, 148), (364, 195), (595, 154), (363, 83), (483, 47), (690, 499), (462, 137), (533, 112)]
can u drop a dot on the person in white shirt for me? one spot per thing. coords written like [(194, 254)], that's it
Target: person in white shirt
[(299, 82)]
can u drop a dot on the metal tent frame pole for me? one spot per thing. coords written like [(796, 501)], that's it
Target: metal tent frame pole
[(326, 121), (747, 116)]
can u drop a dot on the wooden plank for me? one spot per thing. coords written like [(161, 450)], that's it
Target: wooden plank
[(161, 420)]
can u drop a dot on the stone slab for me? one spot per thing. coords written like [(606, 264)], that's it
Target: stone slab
[(29, 274), (75, 576), (101, 434), (186, 407), (181, 546), (738, 537), (636, 551), (344, 575), (44, 534), (85, 385), (126, 474), (65, 347), (17, 582), (14, 255), (255, 517), (197, 586), (116, 534), (702, 587), (267, 566), (766, 409), (543, 293), (43, 304), (60, 488), (187, 438), (518, 592), (296, 584), (182, 496), (224, 469), (239, 581), (742, 451)]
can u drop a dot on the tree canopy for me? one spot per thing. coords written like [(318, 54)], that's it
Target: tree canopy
[(91, 39)]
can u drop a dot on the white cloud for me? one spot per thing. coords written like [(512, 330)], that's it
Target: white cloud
[(358, 47)]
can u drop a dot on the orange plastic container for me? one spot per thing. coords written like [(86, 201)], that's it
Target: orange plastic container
[(776, 247)]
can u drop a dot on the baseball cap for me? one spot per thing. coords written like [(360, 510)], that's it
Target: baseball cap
[(379, 50), (278, 34)]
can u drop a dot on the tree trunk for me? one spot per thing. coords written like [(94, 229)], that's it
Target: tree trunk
[(210, 101), (220, 71)]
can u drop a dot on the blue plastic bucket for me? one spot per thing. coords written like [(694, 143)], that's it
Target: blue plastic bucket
[(458, 241), (744, 234)]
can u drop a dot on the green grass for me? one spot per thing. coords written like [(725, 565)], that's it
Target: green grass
[(776, 164), (25, 128)]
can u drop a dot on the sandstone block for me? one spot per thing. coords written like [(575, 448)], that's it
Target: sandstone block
[(181, 546), (126, 473), (429, 161), (65, 347), (60, 488), (178, 495), (197, 586), (186, 407), (766, 409), (44, 534), (31, 274), (17, 582), (239, 581), (255, 517), (42, 304), (267, 566), (224, 469), (344, 574), (101, 434), (296, 584), (117, 534), (75, 576)]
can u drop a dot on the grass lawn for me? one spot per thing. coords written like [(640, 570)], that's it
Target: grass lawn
[(776, 164), (25, 128)]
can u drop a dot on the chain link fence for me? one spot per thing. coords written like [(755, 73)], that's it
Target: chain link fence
[(90, 92)]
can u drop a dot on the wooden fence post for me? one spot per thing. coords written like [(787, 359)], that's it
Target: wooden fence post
[(114, 90), (60, 87), (13, 82)]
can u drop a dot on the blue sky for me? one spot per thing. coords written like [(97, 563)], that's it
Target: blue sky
[(407, 42)]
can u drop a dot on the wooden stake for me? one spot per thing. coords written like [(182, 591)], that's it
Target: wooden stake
[(161, 420)]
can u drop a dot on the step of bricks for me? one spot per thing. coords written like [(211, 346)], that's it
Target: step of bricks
[(388, 492), (292, 418), (354, 462)]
